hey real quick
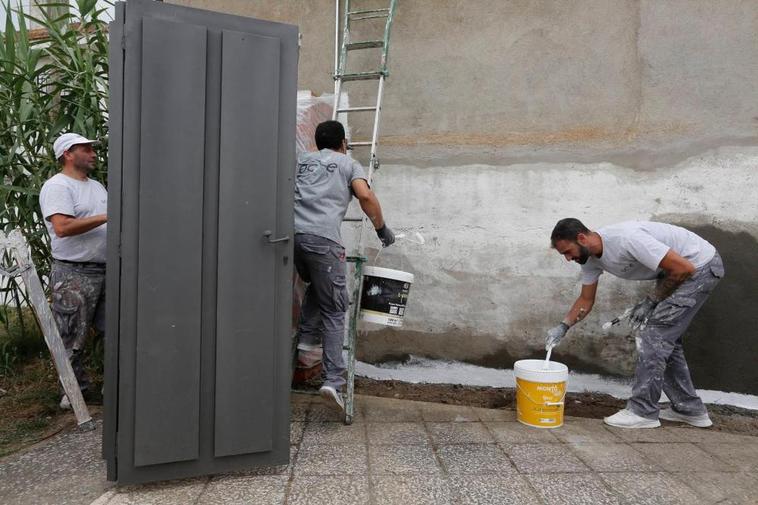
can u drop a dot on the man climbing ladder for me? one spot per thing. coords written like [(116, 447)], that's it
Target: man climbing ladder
[(325, 183)]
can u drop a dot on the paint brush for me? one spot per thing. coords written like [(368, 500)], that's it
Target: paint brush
[(617, 320)]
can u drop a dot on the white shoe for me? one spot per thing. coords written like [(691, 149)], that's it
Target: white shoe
[(628, 419), (701, 421), (332, 397), (65, 404)]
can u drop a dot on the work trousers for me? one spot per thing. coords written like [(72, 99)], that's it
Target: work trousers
[(320, 262), (78, 304), (661, 364)]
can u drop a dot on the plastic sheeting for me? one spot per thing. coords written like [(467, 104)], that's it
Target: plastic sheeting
[(311, 110)]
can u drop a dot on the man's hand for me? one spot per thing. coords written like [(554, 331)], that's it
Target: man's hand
[(554, 335), (386, 236), (641, 312)]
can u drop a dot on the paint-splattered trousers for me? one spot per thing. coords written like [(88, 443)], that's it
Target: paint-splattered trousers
[(661, 364), (321, 264), (78, 304)]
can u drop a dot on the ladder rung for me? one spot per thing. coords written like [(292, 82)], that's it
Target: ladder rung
[(369, 14), (356, 109), (360, 76), (364, 44), (358, 144)]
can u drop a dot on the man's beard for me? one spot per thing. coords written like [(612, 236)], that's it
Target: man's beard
[(84, 166), (584, 255)]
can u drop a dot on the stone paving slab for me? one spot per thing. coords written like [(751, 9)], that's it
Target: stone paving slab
[(683, 457), (613, 457), (437, 413), (511, 489), (648, 435), (243, 490), (475, 459), (402, 452), (714, 487), (397, 433), (547, 458), (650, 489), (411, 489), (742, 457), (460, 433), (517, 433), (402, 459), (332, 490), (331, 460), (165, 493), (495, 414), (385, 410), (329, 433), (573, 489), (585, 431), (66, 469)]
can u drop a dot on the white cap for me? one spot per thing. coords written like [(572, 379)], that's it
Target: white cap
[(68, 140)]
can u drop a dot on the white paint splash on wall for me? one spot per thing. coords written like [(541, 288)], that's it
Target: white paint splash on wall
[(422, 370)]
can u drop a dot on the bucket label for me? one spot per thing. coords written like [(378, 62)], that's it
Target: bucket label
[(385, 296), (540, 403)]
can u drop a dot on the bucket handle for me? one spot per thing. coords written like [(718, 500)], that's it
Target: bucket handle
[(549, 404)]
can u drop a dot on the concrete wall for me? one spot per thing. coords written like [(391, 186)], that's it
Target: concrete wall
[(502, 117)]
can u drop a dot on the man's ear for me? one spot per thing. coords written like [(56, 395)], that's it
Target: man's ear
[(582, 239)]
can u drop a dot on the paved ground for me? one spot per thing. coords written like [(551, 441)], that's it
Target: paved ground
[(413, 453)]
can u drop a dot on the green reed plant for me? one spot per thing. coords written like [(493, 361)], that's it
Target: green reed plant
[(53, 79)]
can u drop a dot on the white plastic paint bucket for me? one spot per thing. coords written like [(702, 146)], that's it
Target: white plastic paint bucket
[(540, 392), (384, 295)]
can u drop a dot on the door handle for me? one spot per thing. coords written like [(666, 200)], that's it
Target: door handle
[(268, 234)]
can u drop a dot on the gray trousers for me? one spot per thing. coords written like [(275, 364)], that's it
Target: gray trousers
[(321, 264), (661, 363), (78, 304)]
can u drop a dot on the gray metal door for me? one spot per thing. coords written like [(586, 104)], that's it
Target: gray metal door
[(201, 157)]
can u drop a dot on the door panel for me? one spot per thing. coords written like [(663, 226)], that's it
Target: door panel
[(246, 261), (170, 242), (199, 336)]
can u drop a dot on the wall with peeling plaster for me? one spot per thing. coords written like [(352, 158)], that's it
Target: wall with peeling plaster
[(502, 117)]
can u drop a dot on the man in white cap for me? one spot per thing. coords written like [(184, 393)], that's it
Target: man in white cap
[(74, 208)]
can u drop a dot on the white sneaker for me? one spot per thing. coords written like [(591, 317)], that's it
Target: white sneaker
[(701, 421), (65, 404), (332, 397), (628, 419)]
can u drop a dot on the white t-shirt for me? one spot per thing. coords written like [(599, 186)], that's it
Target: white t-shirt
[(62, 194), (634, 249)]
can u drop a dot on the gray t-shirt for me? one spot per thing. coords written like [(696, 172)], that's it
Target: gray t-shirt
[(634, 249), (65, 195), (323, 192)]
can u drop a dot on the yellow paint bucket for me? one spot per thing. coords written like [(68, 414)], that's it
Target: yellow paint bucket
[(540, 392)]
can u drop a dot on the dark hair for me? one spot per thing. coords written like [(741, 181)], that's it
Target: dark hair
[(329, 135), (567, 229)]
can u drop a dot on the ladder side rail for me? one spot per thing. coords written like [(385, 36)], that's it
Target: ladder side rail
[(387, 28), (16, 243)]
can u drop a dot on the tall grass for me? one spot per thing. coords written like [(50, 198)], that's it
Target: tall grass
[(52, 80)]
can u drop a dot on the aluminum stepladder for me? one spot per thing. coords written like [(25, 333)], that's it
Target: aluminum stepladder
[(341, 76), (14, 246)]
